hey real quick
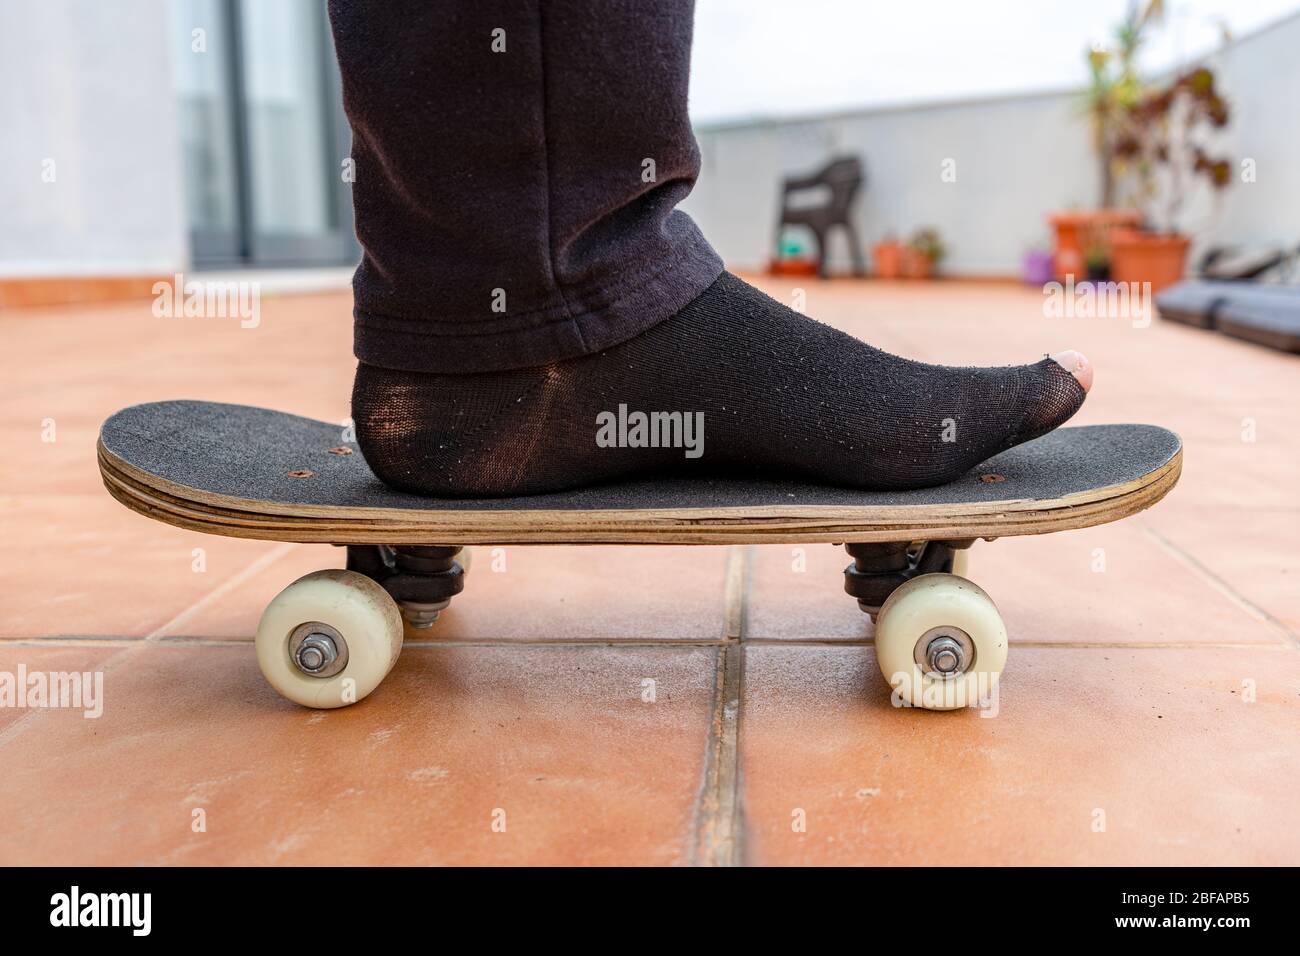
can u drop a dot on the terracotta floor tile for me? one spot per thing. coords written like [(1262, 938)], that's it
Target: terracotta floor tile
[(66, 465), (43, 659), (1160, 741), (1252, 552), (71, 365), (1141, 595), (590, 593), (557, 735), (234, 614), (1111, 584), (796, 593), (558, 738), (89, 566), (1214, 479)]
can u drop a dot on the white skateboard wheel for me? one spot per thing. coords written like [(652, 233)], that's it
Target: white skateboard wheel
[(940, 642), (328, 639)]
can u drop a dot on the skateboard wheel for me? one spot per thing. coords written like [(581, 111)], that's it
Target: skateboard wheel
[(329, 638), (940, 643)]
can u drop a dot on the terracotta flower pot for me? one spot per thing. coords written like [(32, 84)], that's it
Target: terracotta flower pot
[(1148, 257), (888, 259), (915, 265), (1075, 229), (793, 268)]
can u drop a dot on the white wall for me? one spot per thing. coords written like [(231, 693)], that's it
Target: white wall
[(88, 85), (1260, 76), (1017, 159)]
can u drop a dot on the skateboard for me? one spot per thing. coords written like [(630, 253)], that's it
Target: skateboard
[(330, 638)]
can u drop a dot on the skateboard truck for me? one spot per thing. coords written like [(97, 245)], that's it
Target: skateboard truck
[(938, 637), (879, 568), (421, 579)]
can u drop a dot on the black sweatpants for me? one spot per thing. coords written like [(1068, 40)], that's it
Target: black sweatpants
[(517, 167)]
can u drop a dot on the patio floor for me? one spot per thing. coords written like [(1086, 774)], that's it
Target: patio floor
[(1149, 712)]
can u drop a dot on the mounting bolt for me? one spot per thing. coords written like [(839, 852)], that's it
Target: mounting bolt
[(945, 656), (316, 653), (419, 615), (317, 649)]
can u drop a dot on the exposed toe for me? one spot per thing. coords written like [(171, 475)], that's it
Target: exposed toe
[(1077, 364)]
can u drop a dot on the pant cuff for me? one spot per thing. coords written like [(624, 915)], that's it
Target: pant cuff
[(614, 315)]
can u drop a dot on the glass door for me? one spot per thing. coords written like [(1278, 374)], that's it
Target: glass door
[(201, 40), (264, 134)]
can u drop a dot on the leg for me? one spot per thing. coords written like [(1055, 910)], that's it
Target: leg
[(823, 270), (528, 284), (855, 247), (517, 172)]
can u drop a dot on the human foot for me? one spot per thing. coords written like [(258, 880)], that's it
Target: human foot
[(736, 382), (1077, 364)]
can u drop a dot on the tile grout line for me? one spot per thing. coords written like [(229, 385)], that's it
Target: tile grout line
[(129, 647), (1220, 585), (739, 561), (221, 590), (718, 832)]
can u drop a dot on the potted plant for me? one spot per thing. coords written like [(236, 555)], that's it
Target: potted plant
[(1096, 264), (1114, 88), (1076, 232), (792, 259), (924, 252), (1096, 254), (1165, 146), (887, 256)]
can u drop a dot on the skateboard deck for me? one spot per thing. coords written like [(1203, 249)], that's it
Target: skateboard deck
[(254, 473), (329, 638)]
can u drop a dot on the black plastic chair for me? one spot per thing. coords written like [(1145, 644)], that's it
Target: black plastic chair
[(842, 178)]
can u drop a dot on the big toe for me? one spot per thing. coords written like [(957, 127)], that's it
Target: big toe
[(1077, 364)]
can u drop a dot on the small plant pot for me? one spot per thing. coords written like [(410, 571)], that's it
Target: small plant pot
[(916, 265), (793, 268), (1137, 257), (887, 257), (1074, 230)]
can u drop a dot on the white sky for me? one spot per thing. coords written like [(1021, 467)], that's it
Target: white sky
[(761, 58)]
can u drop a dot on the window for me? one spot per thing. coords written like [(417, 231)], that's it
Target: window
[(263, 133)]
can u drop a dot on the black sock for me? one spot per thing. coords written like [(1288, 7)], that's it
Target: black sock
[(743, 384)]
